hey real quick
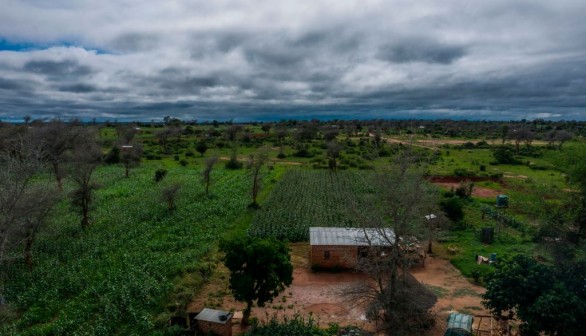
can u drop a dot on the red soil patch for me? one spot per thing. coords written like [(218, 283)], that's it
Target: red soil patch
[(321, 294), (477, 191)]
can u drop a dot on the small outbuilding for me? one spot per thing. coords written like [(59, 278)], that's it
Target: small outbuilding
[(459, 325), (214, 322), (336, 247)]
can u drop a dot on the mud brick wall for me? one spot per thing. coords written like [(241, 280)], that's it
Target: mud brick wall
[(215, 328), (339, 256)]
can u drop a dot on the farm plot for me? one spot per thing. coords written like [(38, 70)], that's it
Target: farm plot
[(306, 198), (116, 277)]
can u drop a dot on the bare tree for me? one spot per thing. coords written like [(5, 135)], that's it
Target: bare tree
[(86, 157), (266, 127), (169, 196), (24, 204), (393, 295), (281, 134), (333, 151), (563, 136), (207, 173), (130, 156), (232, 132), (58, 138), (255, 164)]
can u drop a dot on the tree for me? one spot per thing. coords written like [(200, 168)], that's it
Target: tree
[(255, 164), (232, 132), (169, 196), (130, 156), (86, 157), (207, 173), (259, 270), (266, 127), (333, 151), (545, 299), (563, 136), (58, 140), (404, 198), (281, 134), (24, 202), (233, 163), (201, 147)]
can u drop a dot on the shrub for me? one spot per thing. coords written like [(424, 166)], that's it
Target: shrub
[(233, 164), (453, 207), (160, 175)]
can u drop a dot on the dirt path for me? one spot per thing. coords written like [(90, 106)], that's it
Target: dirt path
[(454, 292), (321, 294)]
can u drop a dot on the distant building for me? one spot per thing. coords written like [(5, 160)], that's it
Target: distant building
[(335, 247), (214, 322)]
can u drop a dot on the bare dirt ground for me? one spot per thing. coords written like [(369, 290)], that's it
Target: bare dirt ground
[(477, 191), (321, 294)]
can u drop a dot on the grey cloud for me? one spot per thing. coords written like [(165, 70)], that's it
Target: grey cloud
[(10, 84), (255, 60), (421, 50), (133, 42), (58, 69), (78, 88)]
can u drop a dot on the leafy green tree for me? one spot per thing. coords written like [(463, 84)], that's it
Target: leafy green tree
[(201, 147), (260, 269), (545, 299)]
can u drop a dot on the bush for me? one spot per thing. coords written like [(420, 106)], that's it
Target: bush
[(463, 172), (160, 175), (504, 155), (113, 156), (281, 155), (234, 164), (453, 207)]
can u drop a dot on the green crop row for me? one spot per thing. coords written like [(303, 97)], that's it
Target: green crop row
[(305, 198), (115, 277)]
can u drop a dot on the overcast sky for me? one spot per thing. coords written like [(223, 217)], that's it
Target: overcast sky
[(262, 60)]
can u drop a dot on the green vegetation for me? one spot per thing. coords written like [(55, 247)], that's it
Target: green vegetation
[(550, 300), (115, 276), (306, 198), (300, 326), (140, 260), (260, 269)]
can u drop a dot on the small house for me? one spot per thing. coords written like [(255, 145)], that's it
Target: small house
[(214, 322), (336, 247)]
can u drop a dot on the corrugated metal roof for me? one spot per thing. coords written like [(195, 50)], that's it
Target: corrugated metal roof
[(459, 324), (212, 315), (350, 236)]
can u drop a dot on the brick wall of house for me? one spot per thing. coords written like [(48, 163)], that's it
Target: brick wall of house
[(215, 328), (339, 256)]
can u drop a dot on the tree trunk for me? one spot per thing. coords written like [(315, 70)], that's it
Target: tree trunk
[(246, 313), (58, 176), (28, 254), (85, 220)]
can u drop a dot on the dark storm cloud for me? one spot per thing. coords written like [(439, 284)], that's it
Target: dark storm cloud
[(9, 84), (77, 88), (421, 50), (257, 60)]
